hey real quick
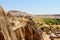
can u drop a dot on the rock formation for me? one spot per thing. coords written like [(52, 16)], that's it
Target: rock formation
[(18, 25), (6, 29)]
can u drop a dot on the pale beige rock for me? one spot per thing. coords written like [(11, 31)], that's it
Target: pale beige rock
[(5, 26)]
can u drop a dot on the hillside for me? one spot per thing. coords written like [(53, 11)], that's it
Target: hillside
[(17, 25)]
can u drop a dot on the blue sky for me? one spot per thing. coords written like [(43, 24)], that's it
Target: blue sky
[(32, 6)]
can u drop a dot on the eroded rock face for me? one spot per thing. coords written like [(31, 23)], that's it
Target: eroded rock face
[(17, 26), (1, 23), (6, 30), (31, 32), (23, 26)]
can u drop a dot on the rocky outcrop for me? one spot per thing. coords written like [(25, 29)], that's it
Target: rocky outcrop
[(14, 13), (18, 25), (28, 30), (5, 27), (19, 14)]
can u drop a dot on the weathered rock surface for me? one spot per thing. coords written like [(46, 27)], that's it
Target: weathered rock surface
[(18, 25), (6, 29)]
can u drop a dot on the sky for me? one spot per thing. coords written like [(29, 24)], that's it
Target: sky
[(35, 7)]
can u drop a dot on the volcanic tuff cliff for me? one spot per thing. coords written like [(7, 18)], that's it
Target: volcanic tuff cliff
[(17, 25)]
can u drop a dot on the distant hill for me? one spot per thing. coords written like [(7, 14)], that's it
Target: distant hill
[(48, 16)]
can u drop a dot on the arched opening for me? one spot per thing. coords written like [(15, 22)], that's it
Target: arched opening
[(1, 36)]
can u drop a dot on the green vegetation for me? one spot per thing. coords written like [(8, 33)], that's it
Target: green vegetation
[(52, 21), (47, 24)]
